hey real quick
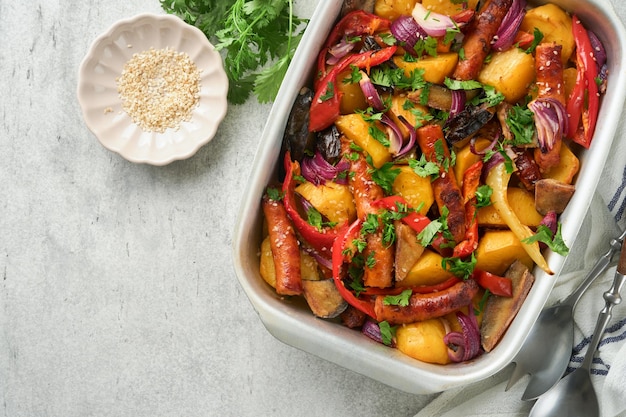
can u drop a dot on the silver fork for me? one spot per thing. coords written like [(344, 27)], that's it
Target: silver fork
[(554, 329)]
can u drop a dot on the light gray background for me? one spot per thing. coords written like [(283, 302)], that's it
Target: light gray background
[(117, 291)]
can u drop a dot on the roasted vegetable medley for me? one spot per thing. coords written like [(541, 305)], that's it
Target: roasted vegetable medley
[(425, 166)]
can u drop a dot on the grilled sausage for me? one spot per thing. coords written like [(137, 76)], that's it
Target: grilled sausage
[(427, 306)]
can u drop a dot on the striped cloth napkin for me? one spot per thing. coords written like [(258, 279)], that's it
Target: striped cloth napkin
[(605, 219)]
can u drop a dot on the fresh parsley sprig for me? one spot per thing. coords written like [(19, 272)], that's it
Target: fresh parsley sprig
[(258, 39)]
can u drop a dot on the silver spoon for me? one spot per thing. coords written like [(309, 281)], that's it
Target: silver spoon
[(574, 395), (555, 328)]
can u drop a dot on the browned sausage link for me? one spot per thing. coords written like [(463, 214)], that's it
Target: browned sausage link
[(363, 188), (549, 74), (445, 187), (427, 306), (285, 249), (365, 191), (549, 71), (477, 42), (448, 195), (379, 262), (527, 169)]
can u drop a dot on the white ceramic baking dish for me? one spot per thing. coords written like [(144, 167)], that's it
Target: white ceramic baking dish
[(292, 322)]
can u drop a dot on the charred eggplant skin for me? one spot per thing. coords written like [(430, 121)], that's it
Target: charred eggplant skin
[(297, 138), (467, 122)]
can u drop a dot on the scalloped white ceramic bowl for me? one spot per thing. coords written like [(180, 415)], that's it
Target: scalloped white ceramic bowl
[(102, 106)]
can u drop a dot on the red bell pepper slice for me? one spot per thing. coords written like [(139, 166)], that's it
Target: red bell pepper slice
[(320, 240), (585, 83), (416, 289), (471, 181), (355, 23), (413, 219), (325, 107), (496, 284), (347, 234)]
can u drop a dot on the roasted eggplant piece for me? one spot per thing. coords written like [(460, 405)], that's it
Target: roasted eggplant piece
[(297, 138), (329, 144), (552, 195), (500, 311), (352, 5), (467, 122), (324, 298)]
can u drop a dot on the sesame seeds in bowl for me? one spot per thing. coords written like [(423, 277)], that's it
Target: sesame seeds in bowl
[(153, 89)]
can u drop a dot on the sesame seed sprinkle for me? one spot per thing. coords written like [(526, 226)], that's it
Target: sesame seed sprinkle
[(159, 89)]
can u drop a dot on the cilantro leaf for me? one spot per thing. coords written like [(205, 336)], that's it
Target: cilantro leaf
[(553, 241), (521, 122), (424, 168), (258, 39), (387, 332), (401, 299), (385, 176)]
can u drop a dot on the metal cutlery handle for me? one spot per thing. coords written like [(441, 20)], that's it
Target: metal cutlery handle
[(612, 298), (599, 267)]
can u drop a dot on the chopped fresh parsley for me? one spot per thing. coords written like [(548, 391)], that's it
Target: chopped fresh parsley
[(401, 299), (354, 77), (259, 39), (426, 236), (483, 196), (537, 38), (424, 168), (458, 267), (314, 218), (553, 241), (521, 122), (385, 175), (329, 93), (275, 194), (379, 135), (387, 332)]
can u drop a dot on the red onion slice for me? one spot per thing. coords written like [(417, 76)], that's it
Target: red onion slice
[(406, 30), (510, 25), (371, 94), (598, 49), (412, 138), (318, 170), (394, 133), (550, 120), (465, 345), (489, 147), (339, 51), (434, 24), (458, 102)]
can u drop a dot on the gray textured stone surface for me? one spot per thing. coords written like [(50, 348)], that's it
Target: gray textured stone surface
[(117, 291)]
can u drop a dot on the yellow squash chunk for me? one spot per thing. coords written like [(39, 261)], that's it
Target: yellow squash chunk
[(308, 265), (352, 97), (392, 9), (402, 106), (357, 130), (416, 190), (465, 158), (423, 341), (331, 199), (426, 271), (567, 168), (436, 68), (569, 80), (266, 267), (448, 7), (510, 72), (523, 204), (498, 249), (554, 23)]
